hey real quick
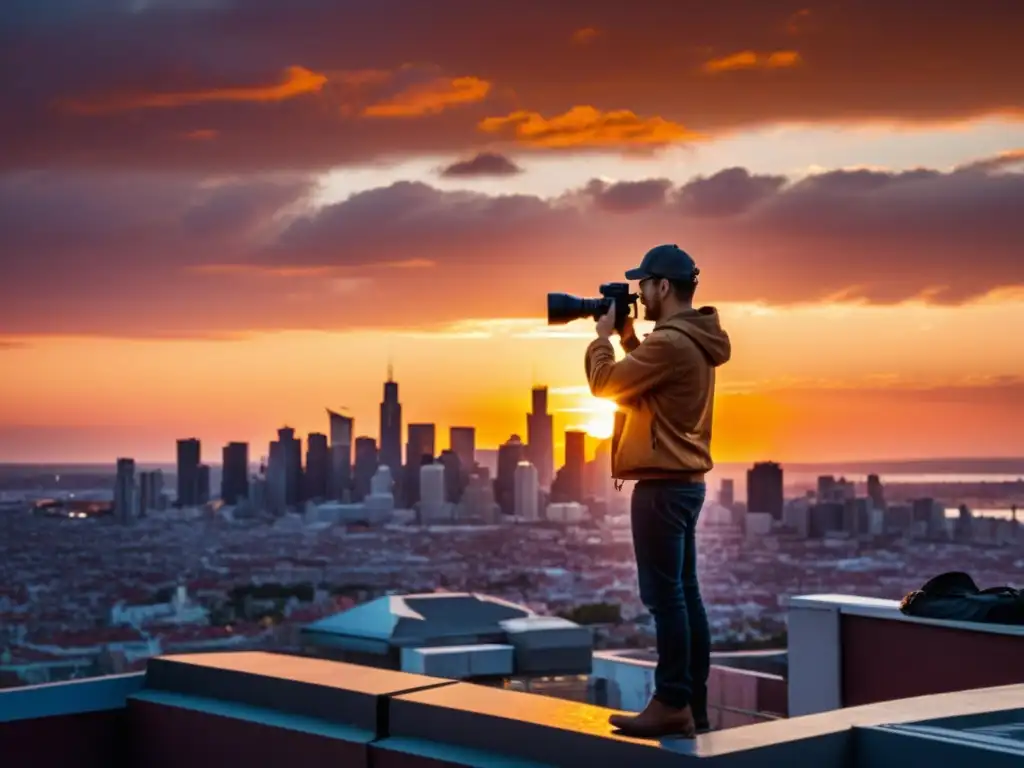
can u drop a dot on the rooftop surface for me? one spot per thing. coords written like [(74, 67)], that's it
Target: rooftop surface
[(263, 709), (505, 639), (413, 619)]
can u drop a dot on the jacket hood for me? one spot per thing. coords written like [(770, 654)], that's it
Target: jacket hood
[(705, 329)]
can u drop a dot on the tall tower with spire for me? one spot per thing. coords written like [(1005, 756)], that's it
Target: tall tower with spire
[(391, 425), (540, 437)]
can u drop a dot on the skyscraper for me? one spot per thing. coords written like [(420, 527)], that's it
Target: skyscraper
[(318, 470), (203, 484), (366, 462), (151, 488), (831, 489), (341, 427), (391, 427), (509, 456), (411, 480), (455, 477), (125, 492), (765, 489), (478, 498), (929, 516), (575, 464), (876, 491), (727, 493), (277, 481), (527, 491), (189, 457), (291, 456), (421, 443), (600, 482), (540, 437), (432, 493), (338, 466), (857, 516), (462, 441), (234, 479)]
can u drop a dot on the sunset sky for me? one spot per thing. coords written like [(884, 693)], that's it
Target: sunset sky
[(218, 217)]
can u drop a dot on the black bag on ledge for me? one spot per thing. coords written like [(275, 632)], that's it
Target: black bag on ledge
[(955, 596)]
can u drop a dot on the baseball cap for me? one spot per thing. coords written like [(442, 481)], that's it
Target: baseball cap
[(665, 261)]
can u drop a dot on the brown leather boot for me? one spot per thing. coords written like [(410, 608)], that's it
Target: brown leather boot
[(657, 720)]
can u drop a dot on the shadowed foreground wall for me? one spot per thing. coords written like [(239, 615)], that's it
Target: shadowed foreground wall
[(260, 709)]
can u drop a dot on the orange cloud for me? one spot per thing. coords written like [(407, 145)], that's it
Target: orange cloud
[(296, 82), (431, 97), (585, 126), (752, 60), (585, 35)]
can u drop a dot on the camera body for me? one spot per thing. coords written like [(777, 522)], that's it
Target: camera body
[(564, 308)]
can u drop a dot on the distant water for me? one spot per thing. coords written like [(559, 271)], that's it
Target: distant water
[(1002, 514), (810, 479), (896, 479)]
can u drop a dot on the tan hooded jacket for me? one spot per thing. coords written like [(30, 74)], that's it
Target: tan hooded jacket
[(665, 390)]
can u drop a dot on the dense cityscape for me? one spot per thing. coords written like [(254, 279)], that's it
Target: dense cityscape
[(102, 571)]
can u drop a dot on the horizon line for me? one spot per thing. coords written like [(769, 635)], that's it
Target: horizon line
[(751, 462)]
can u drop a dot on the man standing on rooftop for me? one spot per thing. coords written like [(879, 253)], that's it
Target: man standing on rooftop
[(665, 390)]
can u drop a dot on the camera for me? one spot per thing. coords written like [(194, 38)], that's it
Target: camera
[(564, 308)]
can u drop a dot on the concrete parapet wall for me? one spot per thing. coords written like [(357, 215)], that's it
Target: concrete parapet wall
[(262, 709), (846, 651)]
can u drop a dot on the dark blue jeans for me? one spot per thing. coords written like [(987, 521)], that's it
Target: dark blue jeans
[(664, 518)]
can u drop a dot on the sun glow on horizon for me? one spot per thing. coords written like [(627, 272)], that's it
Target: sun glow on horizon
[(601, 424), (799, 375)]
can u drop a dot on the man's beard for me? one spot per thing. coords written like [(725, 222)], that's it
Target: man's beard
[(652, 311)]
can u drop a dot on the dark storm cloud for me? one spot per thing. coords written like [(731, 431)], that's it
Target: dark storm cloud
[(311, 83)]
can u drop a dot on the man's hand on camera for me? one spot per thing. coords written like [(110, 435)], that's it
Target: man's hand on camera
[(627, 333), (606, 324)]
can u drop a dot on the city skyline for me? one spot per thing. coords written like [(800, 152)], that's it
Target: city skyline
[(573, 409), (226, 240), (409, 438)]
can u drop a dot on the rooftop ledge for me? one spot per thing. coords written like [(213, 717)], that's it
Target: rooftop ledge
[(878, 608), (847, 651), (263, 709)]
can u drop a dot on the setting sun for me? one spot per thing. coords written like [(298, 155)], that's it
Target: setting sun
[(602, 418)]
